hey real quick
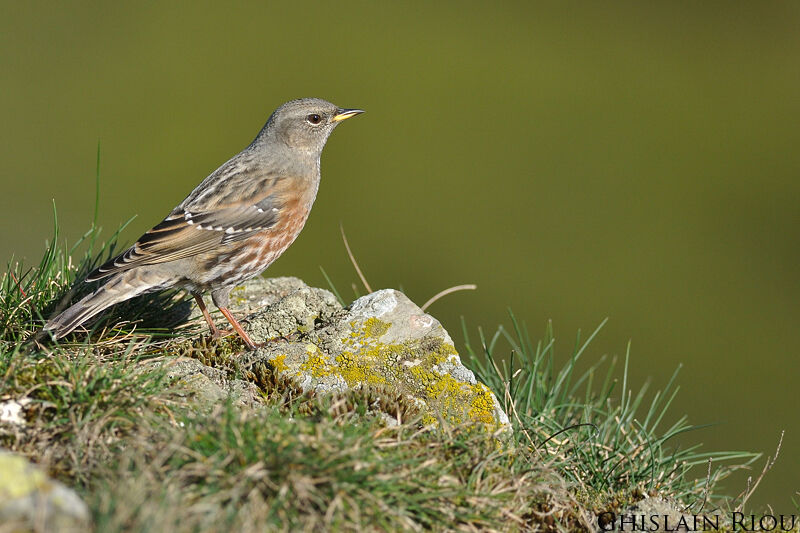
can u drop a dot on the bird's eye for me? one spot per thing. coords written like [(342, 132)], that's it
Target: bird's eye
[(313, 118)]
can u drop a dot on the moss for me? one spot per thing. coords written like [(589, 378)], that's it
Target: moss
[(280, 388), (371, 398), (217, 353), (29, 377)]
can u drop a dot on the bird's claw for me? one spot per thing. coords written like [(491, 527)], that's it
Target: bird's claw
[(220, 333)]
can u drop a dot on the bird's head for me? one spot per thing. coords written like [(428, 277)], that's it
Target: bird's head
[(305, 124)]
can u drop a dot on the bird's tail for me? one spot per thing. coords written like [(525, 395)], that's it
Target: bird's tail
[(118, 288)]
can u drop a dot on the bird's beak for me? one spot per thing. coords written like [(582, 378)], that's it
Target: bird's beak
[(343, 114)]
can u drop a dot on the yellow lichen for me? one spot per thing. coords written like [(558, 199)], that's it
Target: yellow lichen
[(482, 408), (238, 294), (316, 364), (19, 478), (375, 328), (279, 362), (375, 379), (350, 368)]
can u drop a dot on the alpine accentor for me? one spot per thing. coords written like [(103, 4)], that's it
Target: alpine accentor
[(231, 227)]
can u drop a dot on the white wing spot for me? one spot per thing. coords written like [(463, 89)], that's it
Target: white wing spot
[(274, 209)]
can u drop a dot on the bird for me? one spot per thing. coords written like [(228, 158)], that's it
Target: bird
[(230, 228)]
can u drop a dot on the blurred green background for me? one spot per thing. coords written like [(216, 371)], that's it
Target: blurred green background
[(633, 160)]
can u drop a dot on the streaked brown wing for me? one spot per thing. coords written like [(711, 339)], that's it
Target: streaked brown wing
[(186, 233)]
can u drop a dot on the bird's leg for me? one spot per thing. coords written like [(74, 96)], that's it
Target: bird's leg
[(215, 332), (238, 328)]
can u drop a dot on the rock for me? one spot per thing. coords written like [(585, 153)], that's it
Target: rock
[(301, 310), (382, 340), (260, 292), (208, 386), (31, 501), (399, 358), (253, 296), (12, 412)]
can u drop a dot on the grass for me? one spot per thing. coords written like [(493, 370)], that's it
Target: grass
[(312, 472), (108, 422), (596, 432)]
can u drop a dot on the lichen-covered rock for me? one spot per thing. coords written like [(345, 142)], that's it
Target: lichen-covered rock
[(260, 292), (300, 311), (31, 501), (208, 386), (382, 340), (254, 296)]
